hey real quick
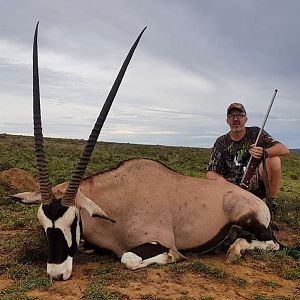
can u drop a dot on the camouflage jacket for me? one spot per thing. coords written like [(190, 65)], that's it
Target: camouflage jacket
[(227, 154)]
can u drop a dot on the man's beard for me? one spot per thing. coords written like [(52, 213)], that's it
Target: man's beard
[(237, 128)]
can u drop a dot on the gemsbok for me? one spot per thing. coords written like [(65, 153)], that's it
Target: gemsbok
[(142, 211)]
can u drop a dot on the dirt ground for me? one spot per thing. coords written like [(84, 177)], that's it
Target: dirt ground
[(249, 278), (164, 284)]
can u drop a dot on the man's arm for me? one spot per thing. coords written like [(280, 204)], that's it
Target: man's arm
[(215, 176), (276, 150)]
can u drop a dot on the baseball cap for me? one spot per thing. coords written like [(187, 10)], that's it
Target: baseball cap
[(238, 106)]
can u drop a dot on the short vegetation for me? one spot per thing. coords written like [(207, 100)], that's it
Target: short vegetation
[(22, 247)]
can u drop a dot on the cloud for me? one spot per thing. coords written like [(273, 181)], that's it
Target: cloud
[(193, 60)]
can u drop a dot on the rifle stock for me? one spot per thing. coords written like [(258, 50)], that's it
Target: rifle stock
[(251, 166), (249, 172)]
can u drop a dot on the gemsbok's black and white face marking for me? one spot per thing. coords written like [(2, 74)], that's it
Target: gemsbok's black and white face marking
[(61, 224), (58, 214)]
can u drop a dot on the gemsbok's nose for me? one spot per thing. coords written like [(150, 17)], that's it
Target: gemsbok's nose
[(58, 277)]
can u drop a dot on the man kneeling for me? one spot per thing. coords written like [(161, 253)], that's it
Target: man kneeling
[(234, 148)]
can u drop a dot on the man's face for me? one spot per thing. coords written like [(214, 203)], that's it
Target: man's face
[(236, 120)]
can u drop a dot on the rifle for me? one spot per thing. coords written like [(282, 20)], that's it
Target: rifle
[(253, 162)]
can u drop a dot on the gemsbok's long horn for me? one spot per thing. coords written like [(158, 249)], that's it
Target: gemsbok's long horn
[(44, 181), (70, 194)]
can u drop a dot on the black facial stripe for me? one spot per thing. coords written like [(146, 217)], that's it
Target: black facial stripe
[(57, 246), (58, 249), (54, 210)]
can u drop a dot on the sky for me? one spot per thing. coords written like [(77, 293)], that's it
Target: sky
[(194, 59)]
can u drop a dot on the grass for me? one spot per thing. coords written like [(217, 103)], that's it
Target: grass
[(22, 240), (271, 283), (284, 254), (198, 266), (96, 291), (63, 154), (210, 270), (291, 272), (24, 284), (176, 268), (281, 262)]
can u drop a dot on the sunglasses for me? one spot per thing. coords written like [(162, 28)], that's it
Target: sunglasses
[(239, 116)]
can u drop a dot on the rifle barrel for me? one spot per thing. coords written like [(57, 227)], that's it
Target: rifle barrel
[(250, 166), (266, 117)]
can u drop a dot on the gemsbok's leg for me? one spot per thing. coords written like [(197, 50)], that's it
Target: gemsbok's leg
[(236, 250), (150, 253)]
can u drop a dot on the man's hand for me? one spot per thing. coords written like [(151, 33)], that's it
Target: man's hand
[(256, 152)]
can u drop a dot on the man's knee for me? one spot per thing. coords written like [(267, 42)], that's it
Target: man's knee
[(274, 164)]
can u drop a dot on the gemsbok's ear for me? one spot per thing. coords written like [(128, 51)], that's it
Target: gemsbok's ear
[(91, 207), (27, 197)]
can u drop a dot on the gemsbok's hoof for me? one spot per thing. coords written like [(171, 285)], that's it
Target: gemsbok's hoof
[(235, 250), (232, 256)]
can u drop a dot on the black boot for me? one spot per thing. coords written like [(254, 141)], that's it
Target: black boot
[(271, 202)]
